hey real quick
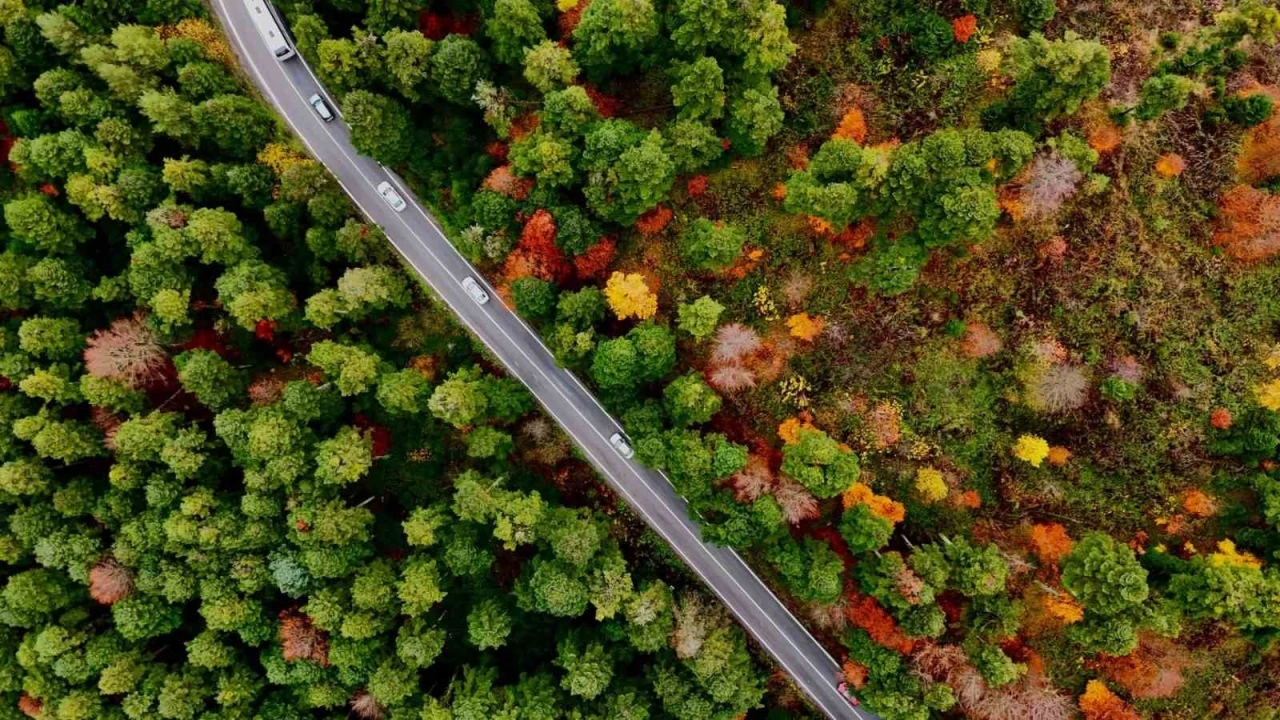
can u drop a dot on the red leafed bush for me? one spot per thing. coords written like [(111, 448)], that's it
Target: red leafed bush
[(537, 254), (797, 503), (607, 105), (697, 185), (654, 221), (29, 706), (497, 150), (300, 639), (380, 435), (963, 28), (752, 481), (595, 261), (110, 582), (569, 19), (127, 351)]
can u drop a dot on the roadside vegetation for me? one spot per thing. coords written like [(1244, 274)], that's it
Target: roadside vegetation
[(957, 318), (248, 469)]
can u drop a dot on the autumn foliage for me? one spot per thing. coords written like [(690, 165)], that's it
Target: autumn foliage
[(504, 182), (864, 612), (300, 639), (1260, 154), (853, 126), (1248, 223), (654, 221), (963, 27), (1050, 542), (1170, 165), (1099, 703), (885, 507), (537, 254), (804, 326), (110, 582), (629, 296), (593, 263)]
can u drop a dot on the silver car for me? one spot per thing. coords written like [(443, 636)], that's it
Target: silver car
[(321, 107), (392, 197), (621, 446), (473, 289)]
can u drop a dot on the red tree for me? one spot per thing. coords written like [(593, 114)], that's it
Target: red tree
[(595, 261)]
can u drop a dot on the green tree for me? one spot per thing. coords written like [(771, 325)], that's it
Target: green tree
[(588, 667), (380, 126), (457, 64), (51, 338), (711, 245), (236, 125), (819, 463), (213, 380), (352, 370), (1104, 575), (548, 66), (253, 291), (460, 400), (488, 624), (344, 458), (403, 392), (755, 115), (699, 317), (615, 34), (640, 179), (40, 223), (514, 26), (1055, 77), (1161, 94), (698, 91), (690, 401), (408, 58)]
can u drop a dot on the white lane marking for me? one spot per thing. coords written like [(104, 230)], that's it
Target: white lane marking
[(677, 516)]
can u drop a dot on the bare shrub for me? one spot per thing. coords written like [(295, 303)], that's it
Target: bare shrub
[(1050, 180), (753, 481), (365, 707), (300, 639), (110, 582), (797, 503), (732, 378), (127, 351), (734, 342), (979, 341), (1058, 388)]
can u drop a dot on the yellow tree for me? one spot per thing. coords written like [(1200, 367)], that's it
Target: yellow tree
[(629, 296)]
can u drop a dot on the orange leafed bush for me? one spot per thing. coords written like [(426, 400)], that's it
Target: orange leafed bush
[(887, 508), (209, 37), (819, 226), (853, 126), (1170, 165), (864, 612), (1064, 609), (110, 582), (855, 673), (537, 254), (804, 327), (780, 192), (1198, 504), (1099, 703), (979, 340), (963, 27), (1050, 542), (1260, 154), (1100, 132), (1249, 223), (654, 221), (1058, 455), (969, 499), (1220, 419)]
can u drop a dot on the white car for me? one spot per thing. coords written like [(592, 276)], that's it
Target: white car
[(621, 446), (392, 197), (476, 292), (321, 107)]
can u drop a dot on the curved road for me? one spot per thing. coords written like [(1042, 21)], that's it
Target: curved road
[(422, 243)]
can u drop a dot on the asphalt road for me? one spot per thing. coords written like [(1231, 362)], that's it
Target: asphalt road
[(419, 239)]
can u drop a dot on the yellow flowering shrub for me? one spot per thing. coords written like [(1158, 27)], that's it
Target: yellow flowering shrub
[(1031, 449), (629, 296), (930, 484), (789, 429), (215, 46), (1269, 395), (1228, 556)]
